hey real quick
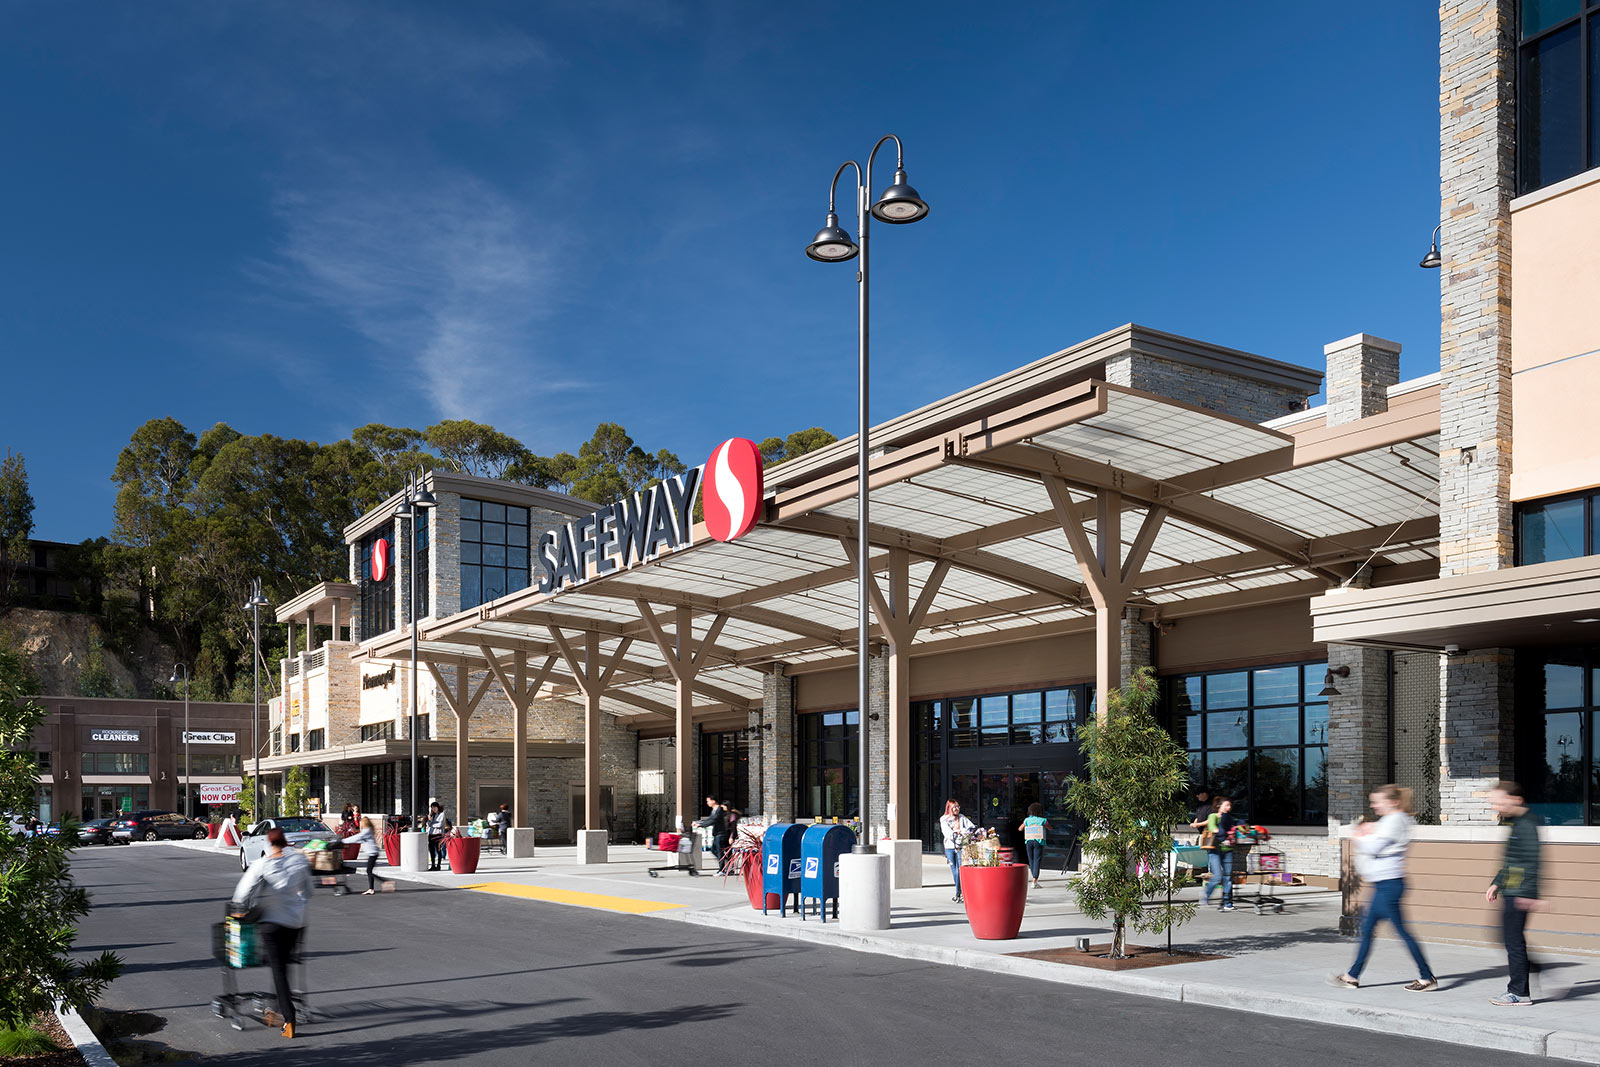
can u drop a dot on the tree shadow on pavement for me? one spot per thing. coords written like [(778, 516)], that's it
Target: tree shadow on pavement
[(470, 1045), (1256, 941)]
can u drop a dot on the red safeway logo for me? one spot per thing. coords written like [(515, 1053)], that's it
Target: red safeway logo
[(731, 490), (380, 559)]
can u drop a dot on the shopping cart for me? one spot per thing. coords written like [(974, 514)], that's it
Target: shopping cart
[(328, 867), (682, 847), (236, 945), (1265, 864)]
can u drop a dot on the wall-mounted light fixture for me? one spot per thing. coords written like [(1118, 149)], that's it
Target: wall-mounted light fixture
[(1328, 689)]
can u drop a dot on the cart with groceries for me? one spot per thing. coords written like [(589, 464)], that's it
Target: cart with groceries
[(682, 848), (328, 867), (1263, 862), (237, 945)]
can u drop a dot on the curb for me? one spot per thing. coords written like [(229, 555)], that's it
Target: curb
[(1528, 1040), (89, 1047)]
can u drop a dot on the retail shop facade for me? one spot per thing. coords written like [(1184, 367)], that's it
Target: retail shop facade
[(101, 756)]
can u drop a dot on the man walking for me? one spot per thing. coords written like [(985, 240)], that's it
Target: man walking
[(717, 822), (438, 826), (1516, 886)]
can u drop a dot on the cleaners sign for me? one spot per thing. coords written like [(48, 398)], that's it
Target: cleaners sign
[(642, 525)]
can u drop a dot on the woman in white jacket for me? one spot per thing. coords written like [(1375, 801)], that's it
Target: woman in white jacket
[(1381, 861), (281, 883)]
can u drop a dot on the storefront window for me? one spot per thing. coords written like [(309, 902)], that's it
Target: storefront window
[(1258, 736), (494, 551), (828, 765), (377, 598), (213, 765), (1558, 87), (108, 801), (1557, 747), (725, 768), (115, 763)]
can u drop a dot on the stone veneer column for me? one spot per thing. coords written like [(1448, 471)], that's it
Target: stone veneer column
[(444, 556), (754, 751), (877, 815), (1138, 643), (1361, 368), (1477, 170), (1475, 731), (777, 746)]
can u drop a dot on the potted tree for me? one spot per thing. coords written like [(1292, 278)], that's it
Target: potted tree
[(744, 858), (1130, 801), (995, 892)]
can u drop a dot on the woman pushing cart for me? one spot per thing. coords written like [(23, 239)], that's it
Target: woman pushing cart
[(268, 911)]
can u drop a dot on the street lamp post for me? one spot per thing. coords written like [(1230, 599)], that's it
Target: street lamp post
[(899, 204), (256, 602), (415, 500), (188, 787)]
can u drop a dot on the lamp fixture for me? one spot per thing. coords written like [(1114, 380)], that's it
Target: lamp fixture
[(1328, 688), (899, 203), (832, 244), (1432, 261)]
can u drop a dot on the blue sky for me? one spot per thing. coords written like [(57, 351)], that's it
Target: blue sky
[(298, 218)]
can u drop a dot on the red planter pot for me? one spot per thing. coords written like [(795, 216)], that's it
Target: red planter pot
[(463, 853), (752, 885), (352, 852), (212, 828), (391, 849), (995, 898)]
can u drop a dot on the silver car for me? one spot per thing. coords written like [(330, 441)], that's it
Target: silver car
[(297, 829)]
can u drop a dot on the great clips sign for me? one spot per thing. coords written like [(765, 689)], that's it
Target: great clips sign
[(645, 524)]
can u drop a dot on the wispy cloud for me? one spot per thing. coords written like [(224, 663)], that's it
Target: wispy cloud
[(443, 272)]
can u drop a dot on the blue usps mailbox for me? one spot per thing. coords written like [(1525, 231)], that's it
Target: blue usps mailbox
[(780, 865), (820, 850)]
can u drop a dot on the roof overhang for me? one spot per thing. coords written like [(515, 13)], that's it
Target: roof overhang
[(320, 602), (1540, 604), (390, 750)]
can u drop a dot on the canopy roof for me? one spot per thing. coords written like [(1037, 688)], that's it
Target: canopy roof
[(1252, 514)]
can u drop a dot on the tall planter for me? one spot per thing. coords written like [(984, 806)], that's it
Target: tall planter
[(995, 898), (463, 853), (752, 884), (391, 849)]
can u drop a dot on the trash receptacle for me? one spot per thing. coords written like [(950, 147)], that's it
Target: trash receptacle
[(780, 865), (819, 876)]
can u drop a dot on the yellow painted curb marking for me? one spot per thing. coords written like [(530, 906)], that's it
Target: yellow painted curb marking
[(568, 896)]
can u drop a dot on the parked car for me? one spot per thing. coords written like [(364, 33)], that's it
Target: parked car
[(96, 832), (296, 828), (153, 825)]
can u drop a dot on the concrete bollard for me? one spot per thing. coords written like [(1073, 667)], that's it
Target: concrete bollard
[(864, 891), (519, 843), (592, 846), (413, 851), (906, 856)]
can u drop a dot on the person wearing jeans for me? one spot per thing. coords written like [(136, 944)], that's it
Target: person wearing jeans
[(1381, 860), (1219, 824), (1516, 887), (953, 824), (279, 883), (1033, 828)]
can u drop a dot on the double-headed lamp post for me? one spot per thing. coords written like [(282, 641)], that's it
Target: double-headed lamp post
[(416, 499), (256, 602), (188, 794), (898, 205)]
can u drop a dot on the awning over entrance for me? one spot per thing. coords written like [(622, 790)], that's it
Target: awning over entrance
[(1542, 604), (996, 517)]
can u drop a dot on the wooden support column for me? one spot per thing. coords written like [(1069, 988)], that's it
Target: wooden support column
[(463, 700), (684, 658), (591, 677), (899, 620), (1108, 575), (520, 690)]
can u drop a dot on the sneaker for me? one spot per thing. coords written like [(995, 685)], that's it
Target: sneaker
[(1226, 907), (1511, 1000), (1423, 985), (1344, 981)]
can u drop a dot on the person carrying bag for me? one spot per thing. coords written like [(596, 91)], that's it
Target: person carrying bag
[(275, 891)]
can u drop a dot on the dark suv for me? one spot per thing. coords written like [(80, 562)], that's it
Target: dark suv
[(155, 825)]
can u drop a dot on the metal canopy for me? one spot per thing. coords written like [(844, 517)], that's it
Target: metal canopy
[(1244, 522)]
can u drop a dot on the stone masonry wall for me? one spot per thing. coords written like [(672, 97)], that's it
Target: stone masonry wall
[(1138, 643), (778, 751), (1360, 371), (873, 827), (1213, 390), (1477, 167), (1475, 732), (444, 556), (1358, 727)]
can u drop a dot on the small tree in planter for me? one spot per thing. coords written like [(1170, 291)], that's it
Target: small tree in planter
[(296, 784), (1131, 799)]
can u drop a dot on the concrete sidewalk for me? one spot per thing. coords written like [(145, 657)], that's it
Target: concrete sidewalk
[(1277, 964)]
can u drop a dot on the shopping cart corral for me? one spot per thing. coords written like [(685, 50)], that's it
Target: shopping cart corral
[(237, 945)]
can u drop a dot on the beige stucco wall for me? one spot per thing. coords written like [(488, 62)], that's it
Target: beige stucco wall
[(1555, 339)]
